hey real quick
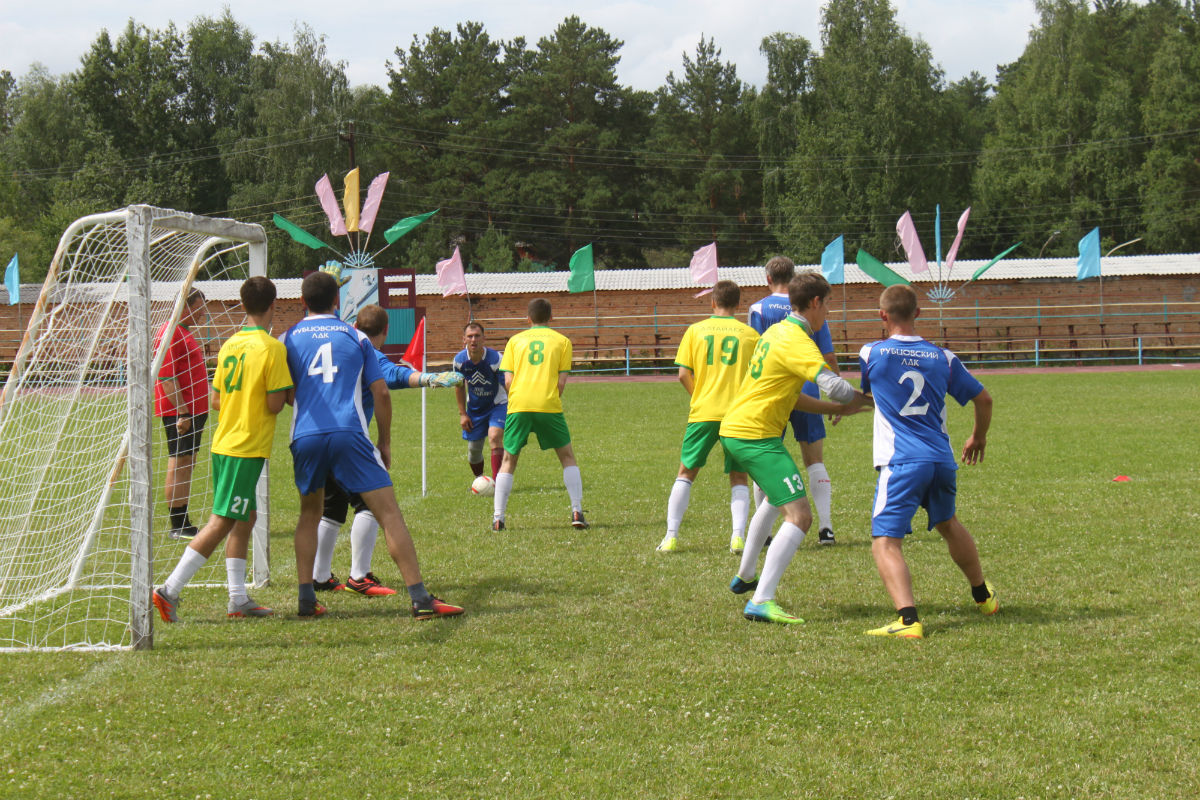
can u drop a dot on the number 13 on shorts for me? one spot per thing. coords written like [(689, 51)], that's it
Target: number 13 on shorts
[(794, 484)]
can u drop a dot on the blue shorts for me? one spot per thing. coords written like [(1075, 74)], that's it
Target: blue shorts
[(493, 418), (904, 487), (808, 427), (348, 456)]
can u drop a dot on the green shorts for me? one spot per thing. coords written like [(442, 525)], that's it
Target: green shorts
[(770, 466), (550, 427), (698, 441), (234, 482)]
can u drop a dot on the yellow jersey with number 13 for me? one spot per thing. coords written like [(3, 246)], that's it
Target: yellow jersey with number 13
[(783, 360), (535, 357)]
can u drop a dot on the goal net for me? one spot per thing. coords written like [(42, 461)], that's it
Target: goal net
[(84, 531)]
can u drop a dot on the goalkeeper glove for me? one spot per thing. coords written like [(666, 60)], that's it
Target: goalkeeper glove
[(440, 380)]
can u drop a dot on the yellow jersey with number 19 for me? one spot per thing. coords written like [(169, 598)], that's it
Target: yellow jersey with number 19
[(783, 360), (717, 351), (535, 357), (250, 366)]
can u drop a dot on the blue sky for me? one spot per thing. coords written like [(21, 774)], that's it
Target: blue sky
[(965, 35)]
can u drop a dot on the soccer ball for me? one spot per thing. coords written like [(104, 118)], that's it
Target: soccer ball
[(483, 485)]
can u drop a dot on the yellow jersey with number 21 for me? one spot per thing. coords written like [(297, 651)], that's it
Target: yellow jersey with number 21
[(783, 360), (535, 357)]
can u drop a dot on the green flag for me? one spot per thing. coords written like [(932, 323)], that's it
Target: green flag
[(878, 270), (298, 234), (992, 263), (405, 225), (583, 274)]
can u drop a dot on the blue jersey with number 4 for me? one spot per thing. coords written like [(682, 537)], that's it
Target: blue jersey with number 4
[(910, 378), (331, 362)]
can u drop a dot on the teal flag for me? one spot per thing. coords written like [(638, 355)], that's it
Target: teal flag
[(583, 273), (878, 270), (1089, 256), (833, 261), (12, 280), (405, 225), (992, 263), (297, 233)]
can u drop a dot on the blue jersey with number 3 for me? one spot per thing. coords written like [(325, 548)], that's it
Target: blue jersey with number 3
[(910, 378), (331, 363)]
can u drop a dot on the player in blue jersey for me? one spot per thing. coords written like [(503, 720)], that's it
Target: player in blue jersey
[(482, 399), (809, 429), (330, 363), (910, 378), (373, 321)]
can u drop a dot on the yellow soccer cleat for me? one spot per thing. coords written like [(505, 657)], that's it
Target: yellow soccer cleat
[(991, 605), (667, 545), (900, 630), (736, 545)]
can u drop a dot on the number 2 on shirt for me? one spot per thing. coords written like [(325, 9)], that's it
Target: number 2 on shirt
[(918, 381), (322, 363)]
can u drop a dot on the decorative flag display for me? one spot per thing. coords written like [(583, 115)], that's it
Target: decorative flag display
[(704, 267), (912, 244), (992, 263), (583, 273), (1089, 256), (374, 198), (414, 354), (12, 280), (451, 278), (833, 261), (297, 233), (878, 270), (405, 225), (350, 199), (962, 227), (324, 189)]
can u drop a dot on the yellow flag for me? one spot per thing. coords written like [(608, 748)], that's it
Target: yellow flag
[(350, 200)]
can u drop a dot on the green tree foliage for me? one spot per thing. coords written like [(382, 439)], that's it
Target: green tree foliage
[(494, 252), (870, 136), (703, 176)]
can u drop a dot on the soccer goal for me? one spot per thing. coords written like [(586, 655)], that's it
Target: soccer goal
[(83, 523)]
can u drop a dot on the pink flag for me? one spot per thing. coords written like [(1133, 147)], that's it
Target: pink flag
[(704, 266), (450, 276), (962, 226), (337, 225), (912, 245), (374, 197)]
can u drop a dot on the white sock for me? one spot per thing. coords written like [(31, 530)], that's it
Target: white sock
[(235, 578), (760, 496), (363, 533), (820, 491), (756, 536), (189, 564), (327, 533), (677, 504), (573, 480), (739, 508), (779, 555), (504, 485)]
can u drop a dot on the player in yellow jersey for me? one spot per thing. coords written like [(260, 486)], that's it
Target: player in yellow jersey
[(713, 356), (535, 364), (786, 356), (250, 387)]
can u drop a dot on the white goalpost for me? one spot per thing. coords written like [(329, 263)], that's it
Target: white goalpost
[(83, 525)]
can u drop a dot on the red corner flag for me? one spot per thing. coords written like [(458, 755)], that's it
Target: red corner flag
[(414, 354)]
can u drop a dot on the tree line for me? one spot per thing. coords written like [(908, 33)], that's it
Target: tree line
[(531, 150)]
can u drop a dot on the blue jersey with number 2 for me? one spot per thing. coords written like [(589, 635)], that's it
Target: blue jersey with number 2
[(910, 378), (331, 362)]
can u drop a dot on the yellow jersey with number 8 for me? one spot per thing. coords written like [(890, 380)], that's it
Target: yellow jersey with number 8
[(783, 360), (535, 357)]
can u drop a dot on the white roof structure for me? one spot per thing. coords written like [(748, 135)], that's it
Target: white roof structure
[(634, 280)]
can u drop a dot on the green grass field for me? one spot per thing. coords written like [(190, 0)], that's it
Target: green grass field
[(590, 666)]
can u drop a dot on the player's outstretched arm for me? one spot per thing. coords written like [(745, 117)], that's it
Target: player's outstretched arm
[(977, 441), (383, 421)]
